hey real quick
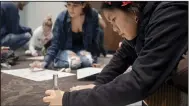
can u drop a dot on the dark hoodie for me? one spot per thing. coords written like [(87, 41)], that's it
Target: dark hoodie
[(10, 20), (162, 39)]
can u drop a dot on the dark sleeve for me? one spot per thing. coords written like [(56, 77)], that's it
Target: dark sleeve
[(13, 22), (121, 60), (166, 37), (96, 33), (24, 29), (55, 42), (3, 30)]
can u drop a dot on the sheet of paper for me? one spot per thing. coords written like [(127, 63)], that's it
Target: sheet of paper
[(36, 75), (86, 72), (38, 58), (136, 104)]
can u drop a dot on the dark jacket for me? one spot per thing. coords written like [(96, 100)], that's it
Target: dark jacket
[(10, 20), (162, 39), (62, 34)]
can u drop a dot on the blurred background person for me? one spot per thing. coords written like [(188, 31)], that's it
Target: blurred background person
[(41, 37), (12, 34)]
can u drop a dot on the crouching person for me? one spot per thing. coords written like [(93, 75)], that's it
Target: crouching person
[(12, 34)]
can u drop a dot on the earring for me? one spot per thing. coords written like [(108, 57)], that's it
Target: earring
[(136, 19)]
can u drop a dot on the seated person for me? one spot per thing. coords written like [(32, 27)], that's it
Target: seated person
[(77, 30), (12, 34), (41, 36)]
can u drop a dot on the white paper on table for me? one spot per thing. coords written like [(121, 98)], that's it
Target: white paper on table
[(86, 72), (36, 75), (37, 58)]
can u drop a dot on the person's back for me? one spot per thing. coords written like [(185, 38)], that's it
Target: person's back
[(9, 18)]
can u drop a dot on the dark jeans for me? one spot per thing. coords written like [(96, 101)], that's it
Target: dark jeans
[(15, 41)]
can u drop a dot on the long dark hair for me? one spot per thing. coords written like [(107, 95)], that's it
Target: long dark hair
[(126, 6)]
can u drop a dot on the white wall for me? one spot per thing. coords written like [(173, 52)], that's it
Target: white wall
[(35, 12), (22, 17)]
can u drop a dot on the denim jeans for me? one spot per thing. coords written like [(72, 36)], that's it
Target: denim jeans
[(65, 60), (15, 41)]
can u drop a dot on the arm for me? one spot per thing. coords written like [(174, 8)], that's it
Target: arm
[(165, 39), (24, 29), (99, 26), (13, 25), (101, 22), (121, 60), (55, 42), (33, 40), (13, 19)]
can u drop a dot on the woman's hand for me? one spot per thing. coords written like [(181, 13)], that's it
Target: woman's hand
[(76, 88), (37, 64), (35, 54), (54, 97)]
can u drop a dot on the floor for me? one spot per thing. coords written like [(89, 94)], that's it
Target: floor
[(16, 91), (21, 92)]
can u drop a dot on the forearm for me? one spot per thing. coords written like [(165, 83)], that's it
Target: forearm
[(115, 93), (32, 47), (122, 59), (25, 29)]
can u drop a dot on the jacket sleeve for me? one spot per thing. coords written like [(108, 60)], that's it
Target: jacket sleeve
[(96, 34), (55, 42), (24, 29), (165, 40), (121, 60), (33, 40)]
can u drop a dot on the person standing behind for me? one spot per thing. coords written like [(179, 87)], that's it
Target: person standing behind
[(12, 34), (41, 36)]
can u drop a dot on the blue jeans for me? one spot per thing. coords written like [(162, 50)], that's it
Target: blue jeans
[(15, 41), (65, 60)]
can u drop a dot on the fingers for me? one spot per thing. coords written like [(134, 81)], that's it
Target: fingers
[(49, 92), (48, 99), (35, 54), (36, 64), (75, 88), (96, 65)]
